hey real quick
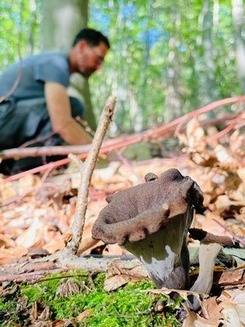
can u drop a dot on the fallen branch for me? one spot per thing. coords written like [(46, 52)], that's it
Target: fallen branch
[(162, 132), (109, 145), (36, 269)]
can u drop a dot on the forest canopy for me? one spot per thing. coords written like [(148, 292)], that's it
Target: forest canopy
[(165, 60)]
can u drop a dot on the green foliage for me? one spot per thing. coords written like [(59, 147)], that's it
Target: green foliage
[(131, 305), (18, 29), (158, 48), (165, 59)]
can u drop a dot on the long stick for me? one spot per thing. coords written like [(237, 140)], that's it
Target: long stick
[(86, 173)]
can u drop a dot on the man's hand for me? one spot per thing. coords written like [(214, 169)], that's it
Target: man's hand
[(60, 115)]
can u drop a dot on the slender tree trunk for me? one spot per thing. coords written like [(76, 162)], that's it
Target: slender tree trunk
[(121, 80), (207, 25), (141, 107), (173, 103), (238, 13), (61, 21)]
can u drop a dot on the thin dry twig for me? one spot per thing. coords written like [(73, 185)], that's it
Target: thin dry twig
[(86, 173), (237, 238)]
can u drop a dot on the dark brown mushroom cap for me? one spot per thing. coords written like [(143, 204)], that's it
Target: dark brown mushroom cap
[(133, 213)]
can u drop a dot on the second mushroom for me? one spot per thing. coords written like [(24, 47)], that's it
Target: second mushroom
[(151, 220)]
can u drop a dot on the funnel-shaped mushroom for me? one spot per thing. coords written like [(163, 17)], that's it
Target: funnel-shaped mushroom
[(151, 221)]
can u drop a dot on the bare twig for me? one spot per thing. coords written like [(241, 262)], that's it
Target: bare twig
[(86, 174), (206, 237), (229, 128), (237, 238)]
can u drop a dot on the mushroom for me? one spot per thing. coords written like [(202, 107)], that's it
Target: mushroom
[(210, 246), (151, 220)]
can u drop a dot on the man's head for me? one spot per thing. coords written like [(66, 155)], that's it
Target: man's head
[(88, 51)]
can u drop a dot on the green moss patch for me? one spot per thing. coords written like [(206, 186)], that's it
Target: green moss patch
[(78, 299)]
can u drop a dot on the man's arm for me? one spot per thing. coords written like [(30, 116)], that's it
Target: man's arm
[(60, 115)]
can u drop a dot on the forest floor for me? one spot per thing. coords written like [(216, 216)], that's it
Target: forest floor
[(36, 217)]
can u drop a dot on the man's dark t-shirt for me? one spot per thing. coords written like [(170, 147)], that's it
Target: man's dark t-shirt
[(24, 118), (32, 72)]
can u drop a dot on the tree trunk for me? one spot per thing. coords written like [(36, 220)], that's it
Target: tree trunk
[(173, 103), (207, 25), (61, 21), (238, 13), (141, 108)]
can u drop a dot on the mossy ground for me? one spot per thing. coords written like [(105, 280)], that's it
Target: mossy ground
[(80, 300)]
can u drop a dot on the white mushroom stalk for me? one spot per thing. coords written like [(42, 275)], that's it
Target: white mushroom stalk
[(207, 256), (210, 246)]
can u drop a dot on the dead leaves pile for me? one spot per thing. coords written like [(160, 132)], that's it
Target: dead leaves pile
[(221, 175), (225, 310), (32, 218), (37, 214)]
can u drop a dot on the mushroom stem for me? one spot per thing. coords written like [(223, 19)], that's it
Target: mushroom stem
[(164, 253), (207, 254), (210, 246)]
